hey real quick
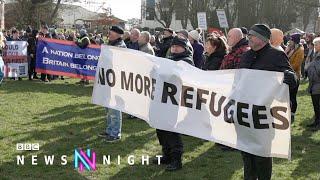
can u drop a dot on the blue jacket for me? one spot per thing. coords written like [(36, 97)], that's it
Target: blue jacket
[(133, 45), (198, 54)]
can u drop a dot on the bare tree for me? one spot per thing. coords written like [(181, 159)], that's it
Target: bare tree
[(182, 10), (306, 9), (200, 6), (54, 13), (32, 12), (164, 12)]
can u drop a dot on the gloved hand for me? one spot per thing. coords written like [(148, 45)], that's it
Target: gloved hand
[(290, 78)]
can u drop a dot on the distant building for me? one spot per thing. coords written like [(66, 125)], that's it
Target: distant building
[(68, 17), (73, 16)]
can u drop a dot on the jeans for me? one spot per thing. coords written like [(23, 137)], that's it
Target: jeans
[(114, 122)]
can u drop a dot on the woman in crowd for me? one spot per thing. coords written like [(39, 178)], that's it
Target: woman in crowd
[(295, 52), (215, 50)]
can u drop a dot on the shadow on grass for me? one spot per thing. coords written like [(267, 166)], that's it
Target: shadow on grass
[(211, 164), (61, 133), (58, 87), (306, 149), (60, 114)]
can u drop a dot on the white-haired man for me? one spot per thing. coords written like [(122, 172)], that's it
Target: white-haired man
[(134, 36), (144, 43)]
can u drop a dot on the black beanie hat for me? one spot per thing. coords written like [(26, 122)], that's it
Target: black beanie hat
[(117, 29), (244, 30), (180, 42), (34, 32), (29, 29), (261, 31)]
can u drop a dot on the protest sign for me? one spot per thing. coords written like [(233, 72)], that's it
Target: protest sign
[(245, 109), (65, 58), (15, 59)]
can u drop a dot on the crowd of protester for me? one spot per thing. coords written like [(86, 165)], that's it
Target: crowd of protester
[(296, 55)]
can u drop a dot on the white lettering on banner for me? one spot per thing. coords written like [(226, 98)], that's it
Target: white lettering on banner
[(84, 67), (71, 54), (61, 53), (54, 62), (45, 50), (245, 109), (71, 65), (86, 56)]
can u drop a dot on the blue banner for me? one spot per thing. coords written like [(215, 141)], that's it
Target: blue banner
[(65, 58)]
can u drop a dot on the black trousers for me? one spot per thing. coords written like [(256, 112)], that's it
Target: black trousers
[(316, 107), (44, 76), (171, 143), (294, 102), (256, 167), (32, 67)]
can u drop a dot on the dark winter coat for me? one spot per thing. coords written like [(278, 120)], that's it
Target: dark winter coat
[(163, 46), (118, 43), (232, 60), (213, 61)]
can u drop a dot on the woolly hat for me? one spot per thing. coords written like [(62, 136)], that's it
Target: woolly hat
[(29, 29), (194, 34), (261, 31), (244, 30), (295, 38), (184, 32), (180, 42)]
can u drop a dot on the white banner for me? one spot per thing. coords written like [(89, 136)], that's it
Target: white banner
[(15, 59), (244, 109)]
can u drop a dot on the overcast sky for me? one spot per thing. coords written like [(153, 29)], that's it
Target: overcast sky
[(124, 9)]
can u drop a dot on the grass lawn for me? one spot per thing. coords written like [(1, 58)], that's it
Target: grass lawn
[(60, 117)]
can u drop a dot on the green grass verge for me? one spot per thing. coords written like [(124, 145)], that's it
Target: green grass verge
[(60, 117)]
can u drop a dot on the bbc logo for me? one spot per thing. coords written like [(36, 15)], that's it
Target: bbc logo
[(28, 146)]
